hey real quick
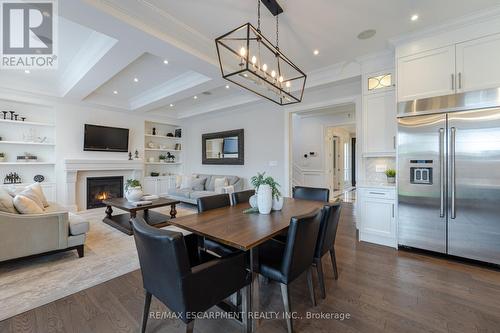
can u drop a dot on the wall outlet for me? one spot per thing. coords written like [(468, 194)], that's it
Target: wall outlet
[(380, 168)]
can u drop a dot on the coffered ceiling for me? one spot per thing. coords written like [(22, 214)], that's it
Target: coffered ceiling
[(105, 44)]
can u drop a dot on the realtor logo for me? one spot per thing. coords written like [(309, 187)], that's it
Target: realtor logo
[(29, 34)]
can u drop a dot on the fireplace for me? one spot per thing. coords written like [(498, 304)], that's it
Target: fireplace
[(101, 188)]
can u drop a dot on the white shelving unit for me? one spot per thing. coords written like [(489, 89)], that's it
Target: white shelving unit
[(161, 144), (20, 137)]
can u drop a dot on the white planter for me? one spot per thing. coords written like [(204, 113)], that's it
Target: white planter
[(253, 201), (278, 203), (134, 194), (265, 199)]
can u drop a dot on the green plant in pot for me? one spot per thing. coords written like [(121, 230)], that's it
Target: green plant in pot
[(391, 176), (2, 157), (162, 158), (268, 195), (133, 190)]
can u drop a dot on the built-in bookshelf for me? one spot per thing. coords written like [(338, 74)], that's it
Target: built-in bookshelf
[(34, 136)]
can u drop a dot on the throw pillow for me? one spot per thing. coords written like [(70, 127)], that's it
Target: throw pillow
[(219, 185), (187, 182), (25, 205), (198, 184), (37, 188), (6, 202), (32, 195)]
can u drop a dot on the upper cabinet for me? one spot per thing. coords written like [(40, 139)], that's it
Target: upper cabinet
[(461, 67), (426, 74), (478, 66)]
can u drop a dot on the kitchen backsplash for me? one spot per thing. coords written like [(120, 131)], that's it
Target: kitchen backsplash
[(371, 164)]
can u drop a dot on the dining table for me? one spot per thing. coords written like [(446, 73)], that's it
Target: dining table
[(234, 226)]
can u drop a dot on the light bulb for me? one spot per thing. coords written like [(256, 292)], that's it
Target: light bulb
[(264, 68), (254, 60), (288, 84), (243, 52), (273, 73), (280, 79)]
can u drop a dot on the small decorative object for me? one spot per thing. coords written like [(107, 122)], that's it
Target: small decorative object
[(178, 132), (5, 114), (2, 157), (253, 201), (41, 139), (136, 154), (151, 144), (163, 147), (133, 190), (12, 115), (155, 174), (267, 193), (265, 199), (154, 130), (278, 203), (23, 118), (130, 156), (178, 146), (170, 135), (15, 116), (12, 178), (27, 157), (391, 176), (163, 158), (39, 178)]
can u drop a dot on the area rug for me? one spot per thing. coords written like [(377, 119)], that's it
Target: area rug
[(109, 253)]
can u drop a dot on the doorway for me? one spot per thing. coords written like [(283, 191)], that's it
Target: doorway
[(340, 155)]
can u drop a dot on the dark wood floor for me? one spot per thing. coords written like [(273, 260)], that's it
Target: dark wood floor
[(383, 290)]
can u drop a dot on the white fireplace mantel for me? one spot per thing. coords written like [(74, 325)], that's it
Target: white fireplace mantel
[(73, 166)]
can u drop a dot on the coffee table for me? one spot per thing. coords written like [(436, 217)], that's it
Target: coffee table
[(122, 221)]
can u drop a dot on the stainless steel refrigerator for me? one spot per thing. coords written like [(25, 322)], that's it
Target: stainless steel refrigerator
[(449, 175)]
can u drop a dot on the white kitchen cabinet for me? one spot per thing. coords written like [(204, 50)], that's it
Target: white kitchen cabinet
[(379, 123), (158, 185), (377, 216), (426, 74), (477, 64)]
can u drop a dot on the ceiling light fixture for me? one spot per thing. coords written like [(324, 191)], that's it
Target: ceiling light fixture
[(27, 71), (171, 105), (414, 17), (316, 52), (115, 92), (247, 58), (195, 97), (165, 62), (227, 86), (136, 79)]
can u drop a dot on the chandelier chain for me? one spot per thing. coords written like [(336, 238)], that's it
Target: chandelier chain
[(277, 33), (258, 16)]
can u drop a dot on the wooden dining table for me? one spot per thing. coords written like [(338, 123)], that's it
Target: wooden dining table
[(246, 231)]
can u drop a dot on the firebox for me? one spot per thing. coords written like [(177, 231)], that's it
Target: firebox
[(102, 188)]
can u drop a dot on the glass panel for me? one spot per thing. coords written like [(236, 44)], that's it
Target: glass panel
[(380, 81)]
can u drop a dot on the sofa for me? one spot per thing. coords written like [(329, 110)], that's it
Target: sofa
[(55, 230), (190, 195)]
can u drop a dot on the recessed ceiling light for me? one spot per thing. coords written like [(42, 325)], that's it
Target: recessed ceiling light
[(316, 52), (136, 79), (195, 97), (171, 105), (227, 86), (165, 62), (115, 92), (27, 71), (367, 34), (414, 17)]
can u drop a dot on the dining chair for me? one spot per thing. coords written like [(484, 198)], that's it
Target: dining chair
[(242, 196), (326, 241), (183, 286), (311, 193), (284, 262), (209, 203)]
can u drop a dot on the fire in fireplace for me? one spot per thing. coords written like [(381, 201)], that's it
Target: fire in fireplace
[(102, 188)]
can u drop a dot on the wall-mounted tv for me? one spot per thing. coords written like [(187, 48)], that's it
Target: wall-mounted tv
[(103, 138)]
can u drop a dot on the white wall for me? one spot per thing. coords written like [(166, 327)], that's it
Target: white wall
[(264, 134)]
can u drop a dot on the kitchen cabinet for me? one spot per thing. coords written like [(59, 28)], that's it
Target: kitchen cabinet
[(379, 123), (158, 185), (377, 216), (426, 74), (477, 64)]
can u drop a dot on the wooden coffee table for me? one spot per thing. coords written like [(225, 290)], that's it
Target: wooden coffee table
[(122, 221)]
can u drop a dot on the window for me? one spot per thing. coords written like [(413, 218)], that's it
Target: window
[(380, 81)]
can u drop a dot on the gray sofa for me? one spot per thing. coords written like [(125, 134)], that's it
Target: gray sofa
[(191, 196), (24, 235)]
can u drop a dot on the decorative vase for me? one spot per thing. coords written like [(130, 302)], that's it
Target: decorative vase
[(253, 201), (134, 194), (265, 199), (278, 203), (391, 180)]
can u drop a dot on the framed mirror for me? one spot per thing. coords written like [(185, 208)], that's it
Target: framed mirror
[(223, 147)]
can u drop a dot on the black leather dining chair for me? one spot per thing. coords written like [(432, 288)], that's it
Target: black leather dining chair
[(311, 193), (183, 286), (242, 196), (209, 203), (284, 262), (326, 241)]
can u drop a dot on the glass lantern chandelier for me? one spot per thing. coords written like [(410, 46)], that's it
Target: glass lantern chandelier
[(250, 60)]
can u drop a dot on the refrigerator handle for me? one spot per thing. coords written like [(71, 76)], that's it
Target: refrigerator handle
[(452, 172), (442, 189)]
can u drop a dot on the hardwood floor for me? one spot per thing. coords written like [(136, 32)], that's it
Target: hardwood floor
[(382, 289)]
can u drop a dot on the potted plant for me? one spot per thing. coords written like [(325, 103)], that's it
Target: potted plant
[(391, 176), (162, 158), (133, 190), (2, 157), (268, 196)]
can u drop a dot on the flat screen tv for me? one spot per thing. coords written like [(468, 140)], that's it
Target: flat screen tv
[(102, 138)]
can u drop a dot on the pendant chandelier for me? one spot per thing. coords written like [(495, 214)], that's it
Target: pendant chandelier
[(250, 60)]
